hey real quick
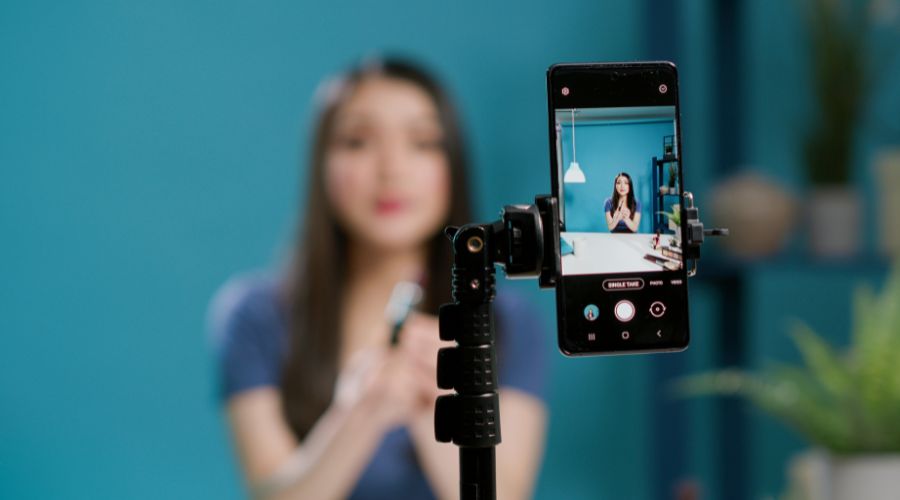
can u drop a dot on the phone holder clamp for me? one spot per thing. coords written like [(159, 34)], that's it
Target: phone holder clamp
[(695, 233)]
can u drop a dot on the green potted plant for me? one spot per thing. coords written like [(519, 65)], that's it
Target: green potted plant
[(845, 403), (842, 58), (673, 178), (674, 218)]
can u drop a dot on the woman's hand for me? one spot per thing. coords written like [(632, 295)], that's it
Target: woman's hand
[(384, 382), (420, 339), (624, 212), (633, 222), (612, 220), (378, 389), (396, 384)]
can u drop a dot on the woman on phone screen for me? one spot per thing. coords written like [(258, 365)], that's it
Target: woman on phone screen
[(319, 404), (623, 211)]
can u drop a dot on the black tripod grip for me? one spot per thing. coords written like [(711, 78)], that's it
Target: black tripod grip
[(468, 369), (468, 420), (468, 324)]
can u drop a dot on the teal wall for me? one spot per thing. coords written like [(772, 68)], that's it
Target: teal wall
[(150, 150)]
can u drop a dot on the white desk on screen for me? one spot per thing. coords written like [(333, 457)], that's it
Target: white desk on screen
[(600, 253)]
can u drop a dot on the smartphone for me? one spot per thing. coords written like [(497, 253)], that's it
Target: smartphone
[(616, 171)]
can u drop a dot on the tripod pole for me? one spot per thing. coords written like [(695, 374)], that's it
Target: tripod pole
[(477, 469), (470, 417)]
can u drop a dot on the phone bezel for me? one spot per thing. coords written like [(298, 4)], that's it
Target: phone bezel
[(614, 84)]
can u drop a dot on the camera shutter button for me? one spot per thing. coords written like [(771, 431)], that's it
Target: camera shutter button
[(624, 311)]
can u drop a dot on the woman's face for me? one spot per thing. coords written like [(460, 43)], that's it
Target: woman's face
[(622, 185), (386, 174)]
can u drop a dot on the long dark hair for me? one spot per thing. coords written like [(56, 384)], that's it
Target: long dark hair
[(615, 196), (313, 290)]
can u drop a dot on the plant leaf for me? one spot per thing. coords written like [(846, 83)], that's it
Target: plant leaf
[(823, 363)]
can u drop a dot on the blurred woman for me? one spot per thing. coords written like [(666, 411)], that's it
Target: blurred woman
[(319, 405), (623, 211)]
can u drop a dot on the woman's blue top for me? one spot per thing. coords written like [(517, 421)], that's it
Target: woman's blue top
[(249, 329), (621, 227)]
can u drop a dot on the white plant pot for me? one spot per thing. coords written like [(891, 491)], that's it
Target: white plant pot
[(835, 222), (887, 175), (818, 475), (675, 229), (866, 477), (579, 246)]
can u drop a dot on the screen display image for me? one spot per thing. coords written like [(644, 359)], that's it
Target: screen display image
[(620, 191)]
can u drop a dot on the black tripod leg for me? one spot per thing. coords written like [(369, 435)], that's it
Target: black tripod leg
[(476, 474)]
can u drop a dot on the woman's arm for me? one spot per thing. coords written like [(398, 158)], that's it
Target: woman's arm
[(634, 222), (370, 399), (440, 461), (327, 464), (613, 220)]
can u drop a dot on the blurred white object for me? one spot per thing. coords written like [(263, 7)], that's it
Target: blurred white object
[(579, 246), (574, 174), (887, 175), (759, 212), (405, 296), (817, 475), (835, 221), (863, 477)]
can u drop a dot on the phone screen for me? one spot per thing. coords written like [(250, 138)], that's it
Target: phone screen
[(617, 173)]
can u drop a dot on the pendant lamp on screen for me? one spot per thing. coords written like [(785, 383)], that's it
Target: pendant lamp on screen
[(574, 175)]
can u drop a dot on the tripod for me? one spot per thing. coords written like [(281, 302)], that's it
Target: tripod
[(519, 242)]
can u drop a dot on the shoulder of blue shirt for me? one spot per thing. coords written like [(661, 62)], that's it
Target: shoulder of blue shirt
[(242, 296)]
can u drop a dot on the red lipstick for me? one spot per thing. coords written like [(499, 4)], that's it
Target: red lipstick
[(389, 206)]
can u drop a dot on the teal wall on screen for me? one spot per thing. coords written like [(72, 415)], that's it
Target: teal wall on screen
[(603, 151), (150, 151)]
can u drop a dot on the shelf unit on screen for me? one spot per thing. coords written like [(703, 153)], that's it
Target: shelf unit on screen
[(664, 196)]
